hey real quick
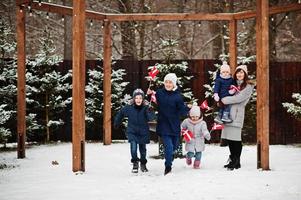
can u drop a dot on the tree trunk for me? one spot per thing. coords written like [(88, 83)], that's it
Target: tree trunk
[(128, 42), (47, 117), (67, 35)]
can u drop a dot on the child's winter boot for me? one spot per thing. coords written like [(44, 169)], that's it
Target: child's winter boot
[(188, 160), (218, 120), (196, 164), (226, 118), (143, 167), (135, 167), (167, 170)]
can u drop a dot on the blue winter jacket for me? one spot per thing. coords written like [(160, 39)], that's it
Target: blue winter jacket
[(170, 108), (222, 86), (138, 128)]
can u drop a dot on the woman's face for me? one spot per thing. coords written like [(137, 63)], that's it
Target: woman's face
[(240, 75), (168, 85)]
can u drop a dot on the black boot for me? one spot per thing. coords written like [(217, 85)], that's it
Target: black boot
[(228, 162), (135, 167), (234, 164), (167, 170), (143, 167)]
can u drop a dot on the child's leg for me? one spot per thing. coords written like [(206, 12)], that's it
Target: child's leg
[(133, 148), (168, 150), (142, 150), (217, 119), (197, 161), (226, 114), (189, 156), (143, 161)]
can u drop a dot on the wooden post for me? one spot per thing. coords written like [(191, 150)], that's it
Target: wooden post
[(233, 45), (21, 93), (78, 83), (107, 90), (262, 73)]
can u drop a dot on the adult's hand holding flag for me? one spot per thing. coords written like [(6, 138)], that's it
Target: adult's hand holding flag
[(217, 127)]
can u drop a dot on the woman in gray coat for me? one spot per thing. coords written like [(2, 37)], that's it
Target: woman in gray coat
[(232, 131)]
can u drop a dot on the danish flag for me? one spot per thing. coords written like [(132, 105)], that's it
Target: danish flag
[(187, 134), (153, 97), (217, 127), (204, 105), (235, 88), (153, 72)]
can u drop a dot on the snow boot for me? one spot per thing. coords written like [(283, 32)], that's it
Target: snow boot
[(218, 120), (234, 164), (226, 118), (167, 170), (196, 164), (143, 168), (188, 160), (135, 167), (228, 162)]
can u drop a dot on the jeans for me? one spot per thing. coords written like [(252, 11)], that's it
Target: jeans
[(142, 150), (170, 145), (225, 108), (197, 155)]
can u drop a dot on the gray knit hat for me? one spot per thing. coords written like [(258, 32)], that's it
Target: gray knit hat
[(138, 91)]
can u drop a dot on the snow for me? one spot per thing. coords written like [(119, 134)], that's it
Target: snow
[(108, 175)]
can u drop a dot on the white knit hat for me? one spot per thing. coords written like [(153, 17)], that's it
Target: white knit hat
[(242, 67), (225, 67), (195, 111), (171, 77)]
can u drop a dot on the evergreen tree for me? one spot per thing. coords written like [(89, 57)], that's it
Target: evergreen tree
[(47, 87), (94, 98), (294, 108)]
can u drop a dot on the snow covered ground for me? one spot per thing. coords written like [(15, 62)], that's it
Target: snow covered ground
[(108, 175)]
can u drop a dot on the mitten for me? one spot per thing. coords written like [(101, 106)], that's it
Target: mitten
[(216, 97), (232, 91)]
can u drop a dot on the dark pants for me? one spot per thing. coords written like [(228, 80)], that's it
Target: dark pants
[(170, 145), (224, 109), (235, 148), (142, 150)]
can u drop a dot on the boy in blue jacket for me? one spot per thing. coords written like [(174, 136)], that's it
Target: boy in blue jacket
[(170, 108), (138, 114)]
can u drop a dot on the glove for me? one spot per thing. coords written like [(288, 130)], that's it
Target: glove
[(216, 97)]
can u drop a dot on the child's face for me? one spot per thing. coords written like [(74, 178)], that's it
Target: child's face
[(168, 85), (138, 100), (194, 118), (225, 73)]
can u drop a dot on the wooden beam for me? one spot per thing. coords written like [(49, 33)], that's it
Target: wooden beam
[(107, 90), (169, 16), (233, 45), (21, 93), (262, 74), (272, 10), (63, 10), (78, 86)]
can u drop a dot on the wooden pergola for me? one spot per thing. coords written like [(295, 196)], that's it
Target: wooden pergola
[(79, 15)]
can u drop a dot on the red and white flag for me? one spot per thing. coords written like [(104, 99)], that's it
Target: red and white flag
[(153, 72), (217, 127), (187, 134), (235, 88), (153, 97), (204, 105)]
